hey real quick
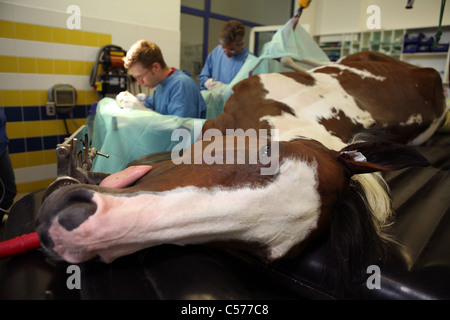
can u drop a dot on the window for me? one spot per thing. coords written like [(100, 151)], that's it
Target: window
[(201, 21)]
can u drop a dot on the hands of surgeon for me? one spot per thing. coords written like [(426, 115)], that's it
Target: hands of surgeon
[(126, 99), (211, 84)]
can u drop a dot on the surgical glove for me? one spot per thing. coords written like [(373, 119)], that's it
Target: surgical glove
[(211, 84), (126, 99)]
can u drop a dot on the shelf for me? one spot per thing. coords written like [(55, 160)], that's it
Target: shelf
[(424, 54), (330, 48), (389, 42)]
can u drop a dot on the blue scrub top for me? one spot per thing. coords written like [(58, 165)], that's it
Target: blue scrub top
[(178, 95), (3, 137), (220, 67)]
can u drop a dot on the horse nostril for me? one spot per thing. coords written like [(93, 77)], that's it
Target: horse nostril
[(73, 216), (70, 206), (74, 206)]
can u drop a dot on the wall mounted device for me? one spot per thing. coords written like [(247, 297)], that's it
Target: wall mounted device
[(108, 75), (63, 97)]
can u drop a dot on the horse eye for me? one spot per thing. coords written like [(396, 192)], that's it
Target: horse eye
[(266, 151)]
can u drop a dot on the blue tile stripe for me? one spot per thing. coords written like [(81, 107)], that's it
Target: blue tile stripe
[(20, 145), (39, 113)]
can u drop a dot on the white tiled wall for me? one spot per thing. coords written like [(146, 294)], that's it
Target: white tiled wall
[(116, 22), (127, 21)]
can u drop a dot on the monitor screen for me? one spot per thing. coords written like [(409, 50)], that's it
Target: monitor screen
[(64, 96)]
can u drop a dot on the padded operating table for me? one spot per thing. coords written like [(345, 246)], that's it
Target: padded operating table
[(418, 269)]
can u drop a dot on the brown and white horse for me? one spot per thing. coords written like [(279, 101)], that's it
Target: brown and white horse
[(326, 128)]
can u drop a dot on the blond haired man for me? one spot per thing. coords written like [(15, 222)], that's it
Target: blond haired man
[(175, 92)]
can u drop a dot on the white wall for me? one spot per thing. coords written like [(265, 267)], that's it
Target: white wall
[(425, 13), (32, 63), (156, 13), (267, 12), (338, 16), (127, 21)]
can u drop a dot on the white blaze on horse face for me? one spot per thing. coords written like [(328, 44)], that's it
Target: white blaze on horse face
[(323, 100), (278, 216)]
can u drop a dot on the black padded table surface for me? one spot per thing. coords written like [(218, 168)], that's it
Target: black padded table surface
[(418, 269)]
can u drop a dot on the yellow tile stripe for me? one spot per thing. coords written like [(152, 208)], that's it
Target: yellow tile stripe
[(33, 158), (26, 31), (14, 98), (14, 64), (28, 98), (28, 187), (29, 129)]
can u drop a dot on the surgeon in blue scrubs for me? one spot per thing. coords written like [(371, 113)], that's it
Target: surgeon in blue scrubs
[(8, 188), (175, 92), (225, 61)]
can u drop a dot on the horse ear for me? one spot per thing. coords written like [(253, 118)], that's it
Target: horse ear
[(366, 157)]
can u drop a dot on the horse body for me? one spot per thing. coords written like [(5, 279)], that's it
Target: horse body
[(333, 103), (315, 115)]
